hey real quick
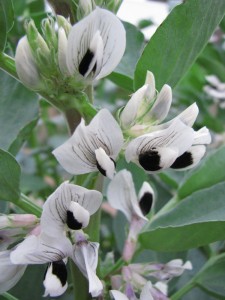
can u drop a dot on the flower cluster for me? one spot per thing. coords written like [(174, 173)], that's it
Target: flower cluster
[(68, 208), (71, 59)]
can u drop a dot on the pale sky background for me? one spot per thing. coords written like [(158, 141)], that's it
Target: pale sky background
[(135, 10)]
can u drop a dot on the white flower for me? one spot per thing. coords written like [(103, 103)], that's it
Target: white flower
[(173, 268), (121, 195), (159, 149), (162, 272), (145, 107), (85, 256), (215, 90), (25, 65), (70, 204), (95, 45), (10, 274), (173, 144), (93, 147), (55, 279)]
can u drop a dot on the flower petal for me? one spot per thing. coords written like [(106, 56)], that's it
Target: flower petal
[(25, 65), (202, 137), (146, 292), (112, 35), (77, 155), (190, 158), (159, 149), (55, 279), (62, 48), (121, 195), (162, 105), (86, 258), (41, 249), (10, 273), (105, 164), (130, 111), (117, 295), (189, 115), (146, 198), (68, 201)]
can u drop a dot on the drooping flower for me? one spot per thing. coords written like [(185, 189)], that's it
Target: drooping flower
[(95, 45), (70, 204), (85, 256), (55, 279), (93, 147), (121, 195), (165, 272)]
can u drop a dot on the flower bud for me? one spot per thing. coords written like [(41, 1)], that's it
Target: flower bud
[(85, 8), (17, 220), (62, 22), (26, 67), (48, 29)]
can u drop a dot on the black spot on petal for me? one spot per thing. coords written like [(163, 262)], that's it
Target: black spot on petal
[(183, 161), (59, 270), (150, 160), (146, 203), (101, 170), (71, 222), (85, 62)]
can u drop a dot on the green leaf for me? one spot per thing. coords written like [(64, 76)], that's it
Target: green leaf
[(178, 41), (6, 21), (9, 177), (212, 276), (196, 221), (123, 75), (210, 172), (22, 137), (18, 107)]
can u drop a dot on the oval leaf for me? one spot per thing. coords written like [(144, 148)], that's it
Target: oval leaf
[(178, 41), (6, 20), (197, 220), (210, 172), (123, 75), (9, 177), (212, 277), (18, 107)]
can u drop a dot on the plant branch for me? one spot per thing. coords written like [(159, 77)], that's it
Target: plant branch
[(28, 206), (184, 290)]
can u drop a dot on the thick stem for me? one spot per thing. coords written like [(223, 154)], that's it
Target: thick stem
[(73, 119), (80, 283), (7, 64), (28, 206), (9, 296), (184, 290)]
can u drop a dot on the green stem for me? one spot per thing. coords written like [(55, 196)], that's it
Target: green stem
[(89, 92), (7, 64), (120, 263), (9, 296), (80, 283), (184, 290), (28, 206), (169, 205)]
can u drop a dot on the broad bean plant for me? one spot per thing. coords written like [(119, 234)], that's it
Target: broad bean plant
[(112, 159)]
